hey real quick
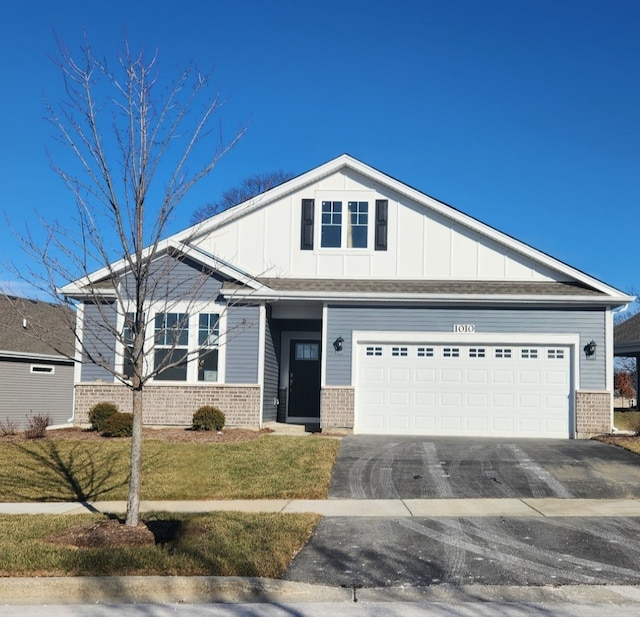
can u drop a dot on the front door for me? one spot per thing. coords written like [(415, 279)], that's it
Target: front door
[(304, 381)]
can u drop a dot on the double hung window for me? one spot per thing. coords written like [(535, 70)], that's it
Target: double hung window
[(208, 336), (171, 335), (331, 224)]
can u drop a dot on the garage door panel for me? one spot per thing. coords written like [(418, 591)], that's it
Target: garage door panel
[(491, 390)]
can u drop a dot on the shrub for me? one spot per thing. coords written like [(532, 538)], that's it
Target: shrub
[(118, 425), (100, 413), (37, 426), (8, 427), (208, 418)]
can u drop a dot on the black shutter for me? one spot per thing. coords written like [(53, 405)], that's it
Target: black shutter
[(382, 211), (306, 227)]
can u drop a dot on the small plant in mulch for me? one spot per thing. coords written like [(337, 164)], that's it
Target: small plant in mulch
[(208, 418), (118, 425), (37, 425), (100, 413)]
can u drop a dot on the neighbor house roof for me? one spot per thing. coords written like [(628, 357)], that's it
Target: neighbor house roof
[(626, 336), (32, 328)]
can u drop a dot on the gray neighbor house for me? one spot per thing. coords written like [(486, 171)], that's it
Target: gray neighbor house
[(35, 379), (346, 298), (627, 342)]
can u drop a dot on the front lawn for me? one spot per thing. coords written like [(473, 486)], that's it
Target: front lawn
[(217, 544), (269, 467)]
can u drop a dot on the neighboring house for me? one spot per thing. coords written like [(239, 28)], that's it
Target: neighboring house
[(34, 377), (627, 341), (352, 300)]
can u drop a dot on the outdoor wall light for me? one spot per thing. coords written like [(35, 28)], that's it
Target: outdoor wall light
[(590, 349), (338, 343)]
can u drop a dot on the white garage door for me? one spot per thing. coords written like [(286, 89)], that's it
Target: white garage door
[(451, 389)]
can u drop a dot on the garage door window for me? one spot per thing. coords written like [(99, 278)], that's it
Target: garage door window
[(476, 352), (425, 352), (374, 351), (399, 351), (503, 353), (529, 354), (451, 352), (555, 354)]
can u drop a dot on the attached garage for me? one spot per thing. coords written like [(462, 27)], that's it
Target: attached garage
[(464, 388)]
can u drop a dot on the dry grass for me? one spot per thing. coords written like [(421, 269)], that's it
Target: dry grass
[(264, 467), (627, 420), (217, 544)]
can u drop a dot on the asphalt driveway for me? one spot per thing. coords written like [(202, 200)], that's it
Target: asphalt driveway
[(418, 551), (451, 468)]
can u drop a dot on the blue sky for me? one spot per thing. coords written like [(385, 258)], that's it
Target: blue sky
[(522, 113)]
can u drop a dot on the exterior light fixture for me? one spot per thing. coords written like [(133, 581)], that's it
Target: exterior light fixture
[(338, 344), (590, 349)]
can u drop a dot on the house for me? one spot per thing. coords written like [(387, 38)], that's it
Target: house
[(36, 370), (626, 344), (346, 298)]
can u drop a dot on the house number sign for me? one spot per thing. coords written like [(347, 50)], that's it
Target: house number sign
[(464, 327)]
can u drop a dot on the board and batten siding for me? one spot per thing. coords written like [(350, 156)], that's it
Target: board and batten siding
[(98, 340), (589, 324), (271, 372), (242, 344), (27, 394)]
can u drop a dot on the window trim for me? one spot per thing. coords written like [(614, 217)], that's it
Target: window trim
[(42, 369), (346, 197)]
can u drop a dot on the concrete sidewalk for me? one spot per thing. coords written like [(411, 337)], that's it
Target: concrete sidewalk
[(376, 508)]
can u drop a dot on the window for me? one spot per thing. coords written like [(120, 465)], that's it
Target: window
[(127, 339), (425, 352), (475, 352), (555, 354), (451, 352), (374, 351), (208, 335), (41, 369), (529, 354), (331, 236), (358, 224), (503, 353), (171, 344), (399, 351), (307, 351)]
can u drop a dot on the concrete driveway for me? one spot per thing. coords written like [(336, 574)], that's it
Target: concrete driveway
[(459, 550), (451, 468)]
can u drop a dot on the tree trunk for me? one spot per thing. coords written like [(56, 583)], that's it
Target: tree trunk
[(133, 501)]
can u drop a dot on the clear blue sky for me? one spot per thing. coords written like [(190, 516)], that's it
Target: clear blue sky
[(522, 113)]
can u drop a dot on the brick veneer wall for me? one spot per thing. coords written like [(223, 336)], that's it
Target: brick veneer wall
[(337, 407), (593, 413), (174, 405)]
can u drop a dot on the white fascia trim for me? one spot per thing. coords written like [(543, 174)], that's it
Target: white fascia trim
[(468, 221), (430, 298), (36, 357)]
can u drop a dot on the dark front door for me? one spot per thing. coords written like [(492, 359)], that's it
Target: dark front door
[(304, 380)]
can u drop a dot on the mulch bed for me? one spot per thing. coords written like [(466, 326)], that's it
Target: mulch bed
[(172, 435), (103, 534)]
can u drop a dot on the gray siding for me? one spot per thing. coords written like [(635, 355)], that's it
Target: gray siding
[(25, 393), (589, 324), (98, 340), (172, 279), (243, 331), (271, 372)]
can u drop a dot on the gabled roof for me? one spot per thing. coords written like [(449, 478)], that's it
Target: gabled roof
[(35, 329), (184, 241)]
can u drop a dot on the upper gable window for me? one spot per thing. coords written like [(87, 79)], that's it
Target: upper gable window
[(331, 236), (358, 224)]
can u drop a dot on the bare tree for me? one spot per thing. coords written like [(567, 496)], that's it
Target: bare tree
[(137, 147), (248, 188)]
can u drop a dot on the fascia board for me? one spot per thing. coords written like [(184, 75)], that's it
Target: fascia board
[(20, 355), (433, 298), (452, 213)]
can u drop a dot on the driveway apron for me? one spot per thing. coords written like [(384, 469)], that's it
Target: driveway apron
[(371, 552)]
